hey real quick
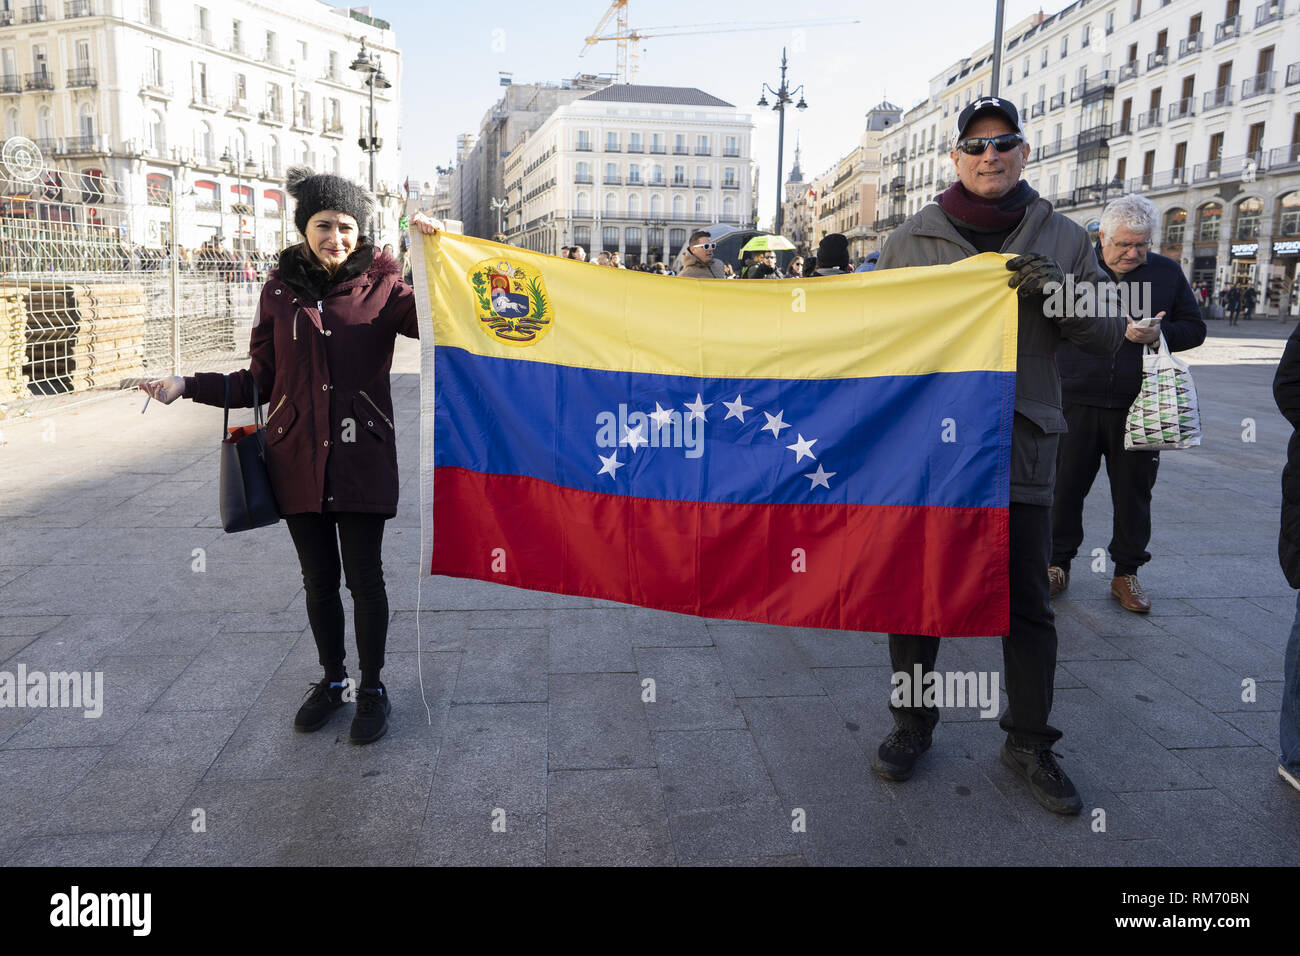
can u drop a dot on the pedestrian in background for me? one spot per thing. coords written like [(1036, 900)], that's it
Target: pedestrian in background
[(1097, 392), (833, 255), (320, 354), (1286, 392), (991, 209), (1234, 305), (795, 269), (1248, 298), (698, 261)]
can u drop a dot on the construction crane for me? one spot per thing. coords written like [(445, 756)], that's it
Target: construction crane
[(628, 40)]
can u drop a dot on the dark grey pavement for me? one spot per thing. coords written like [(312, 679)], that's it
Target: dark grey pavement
[(538, 747)]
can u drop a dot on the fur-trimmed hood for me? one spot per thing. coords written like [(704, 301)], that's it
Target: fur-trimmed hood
[(299, 270)]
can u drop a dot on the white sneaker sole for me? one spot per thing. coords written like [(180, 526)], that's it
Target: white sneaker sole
[(1288, 776)]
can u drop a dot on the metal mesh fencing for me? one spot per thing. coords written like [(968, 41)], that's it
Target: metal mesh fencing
[(84, 305)]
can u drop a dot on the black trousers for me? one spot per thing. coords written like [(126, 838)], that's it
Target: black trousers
[(1096, 433), (1028, 652), (319, 539)]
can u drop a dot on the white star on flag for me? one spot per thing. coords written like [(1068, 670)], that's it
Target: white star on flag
[(661, 416), (634, 437), (803, 448), (775, 424), (697, 410), (737, 409), (819, 477), (611, 465)]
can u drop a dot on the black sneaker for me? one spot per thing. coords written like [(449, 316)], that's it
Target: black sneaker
[(1048, 784), (898, 753), (371, 719), (322, 700)]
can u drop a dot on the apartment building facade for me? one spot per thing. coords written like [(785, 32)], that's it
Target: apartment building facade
[(208, 102), (630, 168)]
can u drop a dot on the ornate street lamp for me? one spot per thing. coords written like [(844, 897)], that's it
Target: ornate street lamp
[(784, 95)]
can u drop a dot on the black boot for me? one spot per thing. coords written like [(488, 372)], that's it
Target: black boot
[(322, 700), (898, 753), (1048, 784), (371, 719)]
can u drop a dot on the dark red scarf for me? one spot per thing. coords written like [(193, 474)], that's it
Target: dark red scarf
[(986, 215)]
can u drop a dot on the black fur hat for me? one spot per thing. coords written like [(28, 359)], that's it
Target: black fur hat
[(316, 191), (833, 252)]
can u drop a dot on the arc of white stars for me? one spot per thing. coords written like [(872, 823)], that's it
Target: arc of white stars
[(611, 465), (775, 424), (661, 416), (634, 437), (803, 449), (697, 410), (818, 477), (737, 409)]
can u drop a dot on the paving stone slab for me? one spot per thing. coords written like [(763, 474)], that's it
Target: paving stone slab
[(1169, 715), (180, 740), (1248, 777), (762, 661), (227, 672), (113, 799), (34, 781), (509, 668), (606, 818), (79, 641), (1205, 828), (721, 802), (597, 721), (18, 626), (653, 628), (1214, 686), (82, 849), (1227, 647), (691, 691), (594, 641)]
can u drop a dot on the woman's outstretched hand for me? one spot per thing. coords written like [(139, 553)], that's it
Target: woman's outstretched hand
[(425, 224), (165, 390)]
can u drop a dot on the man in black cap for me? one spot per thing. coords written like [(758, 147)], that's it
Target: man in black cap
[(833, 255), (990, 209)]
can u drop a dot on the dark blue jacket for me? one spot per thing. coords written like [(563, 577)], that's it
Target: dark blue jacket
[(1113, 381), (1286, 392)]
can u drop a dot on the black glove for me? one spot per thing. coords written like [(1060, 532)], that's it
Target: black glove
[(1032, 272)]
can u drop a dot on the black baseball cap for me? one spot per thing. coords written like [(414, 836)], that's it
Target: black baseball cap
[(988, 104)]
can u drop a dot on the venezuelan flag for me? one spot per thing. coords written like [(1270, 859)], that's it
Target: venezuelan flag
[(831, 452)]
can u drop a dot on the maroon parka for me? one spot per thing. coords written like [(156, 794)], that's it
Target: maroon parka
[(322, 367)]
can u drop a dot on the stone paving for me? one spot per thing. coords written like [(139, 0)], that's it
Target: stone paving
[(535, 714)]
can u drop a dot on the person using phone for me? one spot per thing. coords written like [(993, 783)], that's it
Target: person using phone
[(1097, 392), (320, 353)]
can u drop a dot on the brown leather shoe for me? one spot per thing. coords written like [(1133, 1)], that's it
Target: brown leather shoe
[(1129, 591), (1059, 579)]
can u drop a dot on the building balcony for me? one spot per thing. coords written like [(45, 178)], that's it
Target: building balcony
[(274, 116), (731, 154), (1057, 101), (702, 152), (635, 148), (613, 180), (679, 184), (680, 151), (1095, 136), (1094, 88), (238, 107), (612, 148), (703, 184), (45, 144), (1037, 109), (6, 18), (203, 36), (583, 148), (660, 181), (154, 88), (202, 100), (81, 145), (1158, 181), (271, 58), (1149, 119), (634, 181), (332, 76), (1267, 13), (730, 185), (43, 80), (11, 84), (1157, 59), (1257, 85), (331, 129), (1284, 157), (1293, 74), (1190, 45), (206, 157), (36, 13), (1217, 99), (1128, 70), (1182, 109), (208, 205), (77, 8), (659, 150), (1232, 167), (302, 123), (81, 78), (1229, 29)]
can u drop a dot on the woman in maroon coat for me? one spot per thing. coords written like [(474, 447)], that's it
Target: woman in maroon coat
[(320, 354)]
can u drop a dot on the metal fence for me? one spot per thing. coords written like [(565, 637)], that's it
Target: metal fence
[(84, 307)]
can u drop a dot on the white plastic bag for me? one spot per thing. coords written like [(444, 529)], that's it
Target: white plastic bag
[(1165, 415)]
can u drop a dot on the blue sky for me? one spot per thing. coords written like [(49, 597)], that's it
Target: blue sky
[(451, 66)]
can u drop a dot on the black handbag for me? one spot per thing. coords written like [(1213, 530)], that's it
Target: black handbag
[(246, 498)]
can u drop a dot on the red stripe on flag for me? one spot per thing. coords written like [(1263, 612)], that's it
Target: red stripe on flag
[(902, 569)]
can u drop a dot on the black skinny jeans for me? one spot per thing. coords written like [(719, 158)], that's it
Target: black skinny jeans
[(319, 538), (1028, 652)]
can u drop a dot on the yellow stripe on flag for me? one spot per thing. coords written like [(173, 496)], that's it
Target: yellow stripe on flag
[(956, 318)]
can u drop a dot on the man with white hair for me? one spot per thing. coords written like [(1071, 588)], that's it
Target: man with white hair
[(1097, 392)]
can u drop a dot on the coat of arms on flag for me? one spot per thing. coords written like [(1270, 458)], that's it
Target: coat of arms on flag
[(832, 452), (510, 301)]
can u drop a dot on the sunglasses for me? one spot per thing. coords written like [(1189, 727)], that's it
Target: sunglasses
[(976, 145), (706, 246)]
